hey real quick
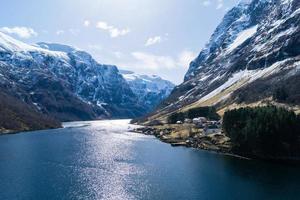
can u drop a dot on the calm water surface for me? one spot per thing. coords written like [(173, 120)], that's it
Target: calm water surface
[(102, 160)]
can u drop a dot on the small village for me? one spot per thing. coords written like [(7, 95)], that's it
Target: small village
[(199, 132), (208, 126)]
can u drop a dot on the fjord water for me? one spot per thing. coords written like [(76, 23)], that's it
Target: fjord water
[(102, 160)]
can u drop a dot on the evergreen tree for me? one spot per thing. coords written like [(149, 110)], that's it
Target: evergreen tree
[(263, 131)]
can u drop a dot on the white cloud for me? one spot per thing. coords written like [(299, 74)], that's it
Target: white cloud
[(118, 54), (153, 40), (156, 62), (156, 39), (219, 4), (86, 23), (185, 57), (22, 32), (113, 31), (60, 32), (206, 3), (71, 31), (170, 67), (74, 32), (103, 25)]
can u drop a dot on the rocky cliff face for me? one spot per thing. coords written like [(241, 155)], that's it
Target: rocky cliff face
[(100, 85), (254, 52), (150, 90), (63, 82)]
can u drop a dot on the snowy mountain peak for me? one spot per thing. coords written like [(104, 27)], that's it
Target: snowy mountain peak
[(253, 52), (57, 47), (8, 43), (77, 85), (152, 83), (150, 89), (239, 25)]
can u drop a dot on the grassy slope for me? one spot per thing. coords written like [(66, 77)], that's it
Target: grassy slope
[(223, 103)]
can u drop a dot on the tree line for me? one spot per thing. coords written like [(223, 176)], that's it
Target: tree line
[(266, 132)]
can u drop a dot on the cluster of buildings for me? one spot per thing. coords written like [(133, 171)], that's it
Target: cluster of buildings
[(208, 126)]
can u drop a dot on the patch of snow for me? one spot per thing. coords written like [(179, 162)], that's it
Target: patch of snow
[(10, 44), (242, 37), (204, 77), (37, 106), (215, 79), (147, 83), (247, 75), (101, 104), (286, 1), (275, 38), (275, 25), (235, 78)]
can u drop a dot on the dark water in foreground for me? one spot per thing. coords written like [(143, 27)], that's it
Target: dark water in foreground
[(100, 160)]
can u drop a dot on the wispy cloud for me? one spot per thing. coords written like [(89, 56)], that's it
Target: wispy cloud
[(170, 67), (74, 32), (185, 57), (118, 54), (154, 62), (153, 40), (113, 31), (60, 32), (20, 31), (71, 31), (206, 3), (157, 62), (219, 4), (86, 23)]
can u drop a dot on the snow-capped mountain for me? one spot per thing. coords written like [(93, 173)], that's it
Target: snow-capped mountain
[(64, 82), (150, 90), (254, 52)]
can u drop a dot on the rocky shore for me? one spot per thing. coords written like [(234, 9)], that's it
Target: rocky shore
[(182, 135)]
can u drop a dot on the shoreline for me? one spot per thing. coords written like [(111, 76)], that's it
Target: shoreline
[(213, 143), (14, 132), (176, 143), (217, 142), (182, 144)]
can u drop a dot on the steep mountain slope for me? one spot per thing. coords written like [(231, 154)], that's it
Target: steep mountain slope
[(253, 53), (63, 82), (99, 85), (15, 115), (150, 90)]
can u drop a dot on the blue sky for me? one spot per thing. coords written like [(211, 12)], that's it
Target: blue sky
[(147, 36)]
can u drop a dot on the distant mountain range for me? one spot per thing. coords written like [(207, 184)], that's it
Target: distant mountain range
[(61, 83), (252, 58), (150, 90)]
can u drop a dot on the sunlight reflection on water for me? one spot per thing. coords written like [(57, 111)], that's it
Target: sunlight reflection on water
[(103, 160), (113, 159)]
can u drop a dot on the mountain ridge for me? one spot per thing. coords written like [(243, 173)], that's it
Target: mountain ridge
[(150, 89), (76, 73), (255, 43), (61, 83)]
